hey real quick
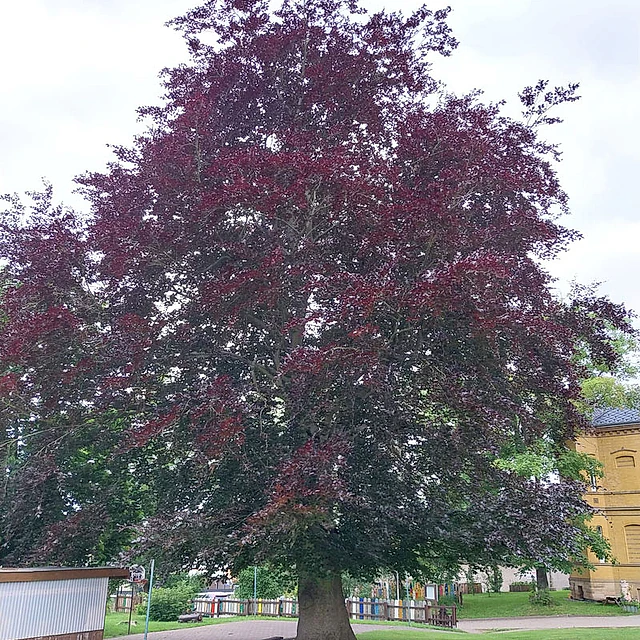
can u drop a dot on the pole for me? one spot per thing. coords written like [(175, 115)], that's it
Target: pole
[(406, 584), (255, 590), (397, 586), (133, 593), (146, 622)]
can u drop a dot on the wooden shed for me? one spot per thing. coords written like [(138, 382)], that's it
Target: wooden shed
[(54, 603)]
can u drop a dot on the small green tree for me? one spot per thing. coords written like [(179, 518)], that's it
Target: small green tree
[(272, 583), (354, 587), (470, 575), (494, 578), (194, 582)]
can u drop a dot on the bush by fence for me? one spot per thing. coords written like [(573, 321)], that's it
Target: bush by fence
[(168, 603)]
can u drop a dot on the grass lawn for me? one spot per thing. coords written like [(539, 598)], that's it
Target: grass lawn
[(114, 628), (630, 633), (494, 605), (515, 605), (116, 624)]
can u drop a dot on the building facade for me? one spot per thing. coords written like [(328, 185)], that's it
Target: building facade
[(614, 440), (557, 579)]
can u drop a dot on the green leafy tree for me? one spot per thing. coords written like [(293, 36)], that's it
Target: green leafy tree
[(356, 588), (607, 391), (546, 462), (272, 583), (194, 582), (605, 386)]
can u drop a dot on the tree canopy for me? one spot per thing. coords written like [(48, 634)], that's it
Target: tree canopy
[(305, 317)]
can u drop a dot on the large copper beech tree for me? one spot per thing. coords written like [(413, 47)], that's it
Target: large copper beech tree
[(305, 317)]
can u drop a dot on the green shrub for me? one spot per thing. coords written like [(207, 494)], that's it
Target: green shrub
[(541, 598), (168, 603), (447, 601)]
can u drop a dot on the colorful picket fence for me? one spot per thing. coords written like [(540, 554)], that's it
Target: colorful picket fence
[(281, 608), (410, 611), (419, 611)]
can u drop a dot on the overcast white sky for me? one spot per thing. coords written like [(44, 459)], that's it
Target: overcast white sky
[(74, 71)]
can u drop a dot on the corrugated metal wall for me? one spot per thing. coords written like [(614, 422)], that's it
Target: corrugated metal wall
[(55, 607)]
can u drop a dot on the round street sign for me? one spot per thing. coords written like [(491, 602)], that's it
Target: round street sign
[(136, 573)]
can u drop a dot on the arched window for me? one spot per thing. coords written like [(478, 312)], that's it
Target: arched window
[(632, 535), (625, 461), (601, 532)]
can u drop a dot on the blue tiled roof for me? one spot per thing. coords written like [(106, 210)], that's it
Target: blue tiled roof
[(609, 416)]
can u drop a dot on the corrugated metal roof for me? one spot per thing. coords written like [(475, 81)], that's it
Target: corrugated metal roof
[(609, 416), (60, 573)]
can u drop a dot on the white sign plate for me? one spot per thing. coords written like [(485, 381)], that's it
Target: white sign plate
[(136, 573)]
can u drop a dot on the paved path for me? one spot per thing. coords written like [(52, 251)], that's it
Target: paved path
[(547, 622), (263, 629), (250, 630)]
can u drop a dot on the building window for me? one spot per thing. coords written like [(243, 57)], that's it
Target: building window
[(601, 532), (632, 535), (625, 461)]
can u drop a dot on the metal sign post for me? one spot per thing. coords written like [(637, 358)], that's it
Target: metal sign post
[(146, 622), (133, 595), (136, 576)]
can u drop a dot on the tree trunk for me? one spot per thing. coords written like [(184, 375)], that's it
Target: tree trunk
[(542, 582), (323, 615)]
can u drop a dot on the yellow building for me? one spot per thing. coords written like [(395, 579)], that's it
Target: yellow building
[(614, 439)]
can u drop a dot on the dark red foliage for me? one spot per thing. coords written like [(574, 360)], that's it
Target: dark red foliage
[(307, 485), (307, 312)]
